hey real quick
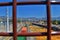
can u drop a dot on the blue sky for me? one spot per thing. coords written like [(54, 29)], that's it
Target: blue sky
[(30, 10)]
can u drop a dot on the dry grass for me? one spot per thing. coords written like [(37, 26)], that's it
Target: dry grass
[(39, 29)]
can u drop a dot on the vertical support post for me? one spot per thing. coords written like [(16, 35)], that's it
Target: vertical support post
[(14, 21), (48, 20)]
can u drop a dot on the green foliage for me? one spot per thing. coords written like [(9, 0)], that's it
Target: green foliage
[(53, 22), (19, 21), (56, 22)]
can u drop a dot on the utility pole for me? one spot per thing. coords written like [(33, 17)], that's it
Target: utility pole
[(7, 24)]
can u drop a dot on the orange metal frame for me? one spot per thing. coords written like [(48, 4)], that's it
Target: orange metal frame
[(15, 34)]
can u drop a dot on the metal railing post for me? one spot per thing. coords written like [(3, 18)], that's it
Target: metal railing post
[(48, 20), (14, 21)]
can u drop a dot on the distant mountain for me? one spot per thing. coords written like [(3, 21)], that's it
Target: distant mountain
[(55, 18), (29, 19), (3, 18)]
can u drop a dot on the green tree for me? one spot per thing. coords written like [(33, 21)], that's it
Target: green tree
[(55, 22)]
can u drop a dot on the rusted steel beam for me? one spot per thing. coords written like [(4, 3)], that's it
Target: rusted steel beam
[(6, 34), (37, 34), (48, 20), (14, 21), (21, 3), (6, 4), (26, 3), (30, 3), (29, 34)]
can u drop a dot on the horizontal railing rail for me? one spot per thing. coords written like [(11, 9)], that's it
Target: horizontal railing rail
[(29, 34), (26, 3)]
